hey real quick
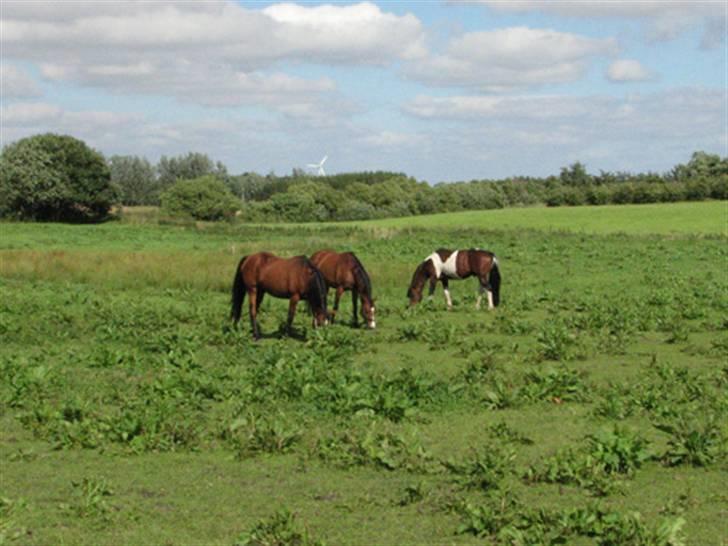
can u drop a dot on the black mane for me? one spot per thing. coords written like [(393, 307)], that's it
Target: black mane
[(362, 277)]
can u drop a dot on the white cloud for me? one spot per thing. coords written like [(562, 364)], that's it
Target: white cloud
[(523, 134), (627, 70), (391, 140), (360, 33), (665, 19), (689, 115), (213, 53), (503, 107), (29, 113), (44, 116), (16, 83), (511, 57)]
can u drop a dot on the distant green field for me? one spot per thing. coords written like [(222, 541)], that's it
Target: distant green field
[(589, 408), (706, 217)]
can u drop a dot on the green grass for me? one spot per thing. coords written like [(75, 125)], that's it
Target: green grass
[(707, 218), (118, 367)]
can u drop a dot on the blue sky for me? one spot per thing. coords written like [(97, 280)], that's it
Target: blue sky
[(443, 91)]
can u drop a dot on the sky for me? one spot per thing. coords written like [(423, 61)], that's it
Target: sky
[(440, 90)]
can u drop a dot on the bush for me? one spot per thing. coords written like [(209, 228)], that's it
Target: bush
[(54, 178), (204, 198)]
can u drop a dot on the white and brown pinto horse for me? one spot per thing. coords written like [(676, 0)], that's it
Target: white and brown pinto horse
[(445, 265)]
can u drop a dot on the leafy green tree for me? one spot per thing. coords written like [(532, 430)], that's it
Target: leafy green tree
[(135, 179), (188, 167), (204, 198), (296, 207), (702, 164), (575, 175), (55, 177), (322, 194)]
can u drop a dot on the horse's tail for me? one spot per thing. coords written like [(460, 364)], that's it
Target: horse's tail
[(317, 288), (494, 279), (364, 284), (238, 295)]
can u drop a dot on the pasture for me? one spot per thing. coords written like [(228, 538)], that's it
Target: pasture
[(589, 408)]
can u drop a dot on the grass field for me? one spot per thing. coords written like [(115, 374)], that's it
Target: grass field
[(590, 408), (706, 217)]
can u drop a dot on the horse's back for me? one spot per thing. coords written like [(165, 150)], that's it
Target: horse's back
[(278, 276), (332, 265)]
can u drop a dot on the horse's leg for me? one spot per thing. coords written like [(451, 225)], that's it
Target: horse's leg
[(259, 301), (337, 297), (433, 284), (446, 288), (480, 293), (253, 311), (355, 319), (292, 303)]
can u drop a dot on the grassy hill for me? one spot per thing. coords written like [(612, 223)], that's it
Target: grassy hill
[(705, 217)]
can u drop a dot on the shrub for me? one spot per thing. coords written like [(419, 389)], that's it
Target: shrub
[(54, 178), (204, 198)]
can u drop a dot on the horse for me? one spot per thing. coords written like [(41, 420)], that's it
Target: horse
[(444, 265), (293, 278), (344, 271)]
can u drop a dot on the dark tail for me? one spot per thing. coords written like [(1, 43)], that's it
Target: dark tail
[(494, 280), (238, 296), (364, 284), (318, 291)]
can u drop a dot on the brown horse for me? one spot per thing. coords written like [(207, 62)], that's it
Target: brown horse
[(444, 265), (293, 278), (345, 272)]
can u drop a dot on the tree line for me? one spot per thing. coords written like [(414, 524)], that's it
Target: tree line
[(56, 177), (302, 197)]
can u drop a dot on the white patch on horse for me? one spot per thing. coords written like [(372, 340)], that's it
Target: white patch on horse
[(436, 262), (448, 298), (447, 268), (490, 300), (450, 267)]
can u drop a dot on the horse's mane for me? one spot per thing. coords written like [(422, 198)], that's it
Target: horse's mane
[(362, 277), (316, 293)]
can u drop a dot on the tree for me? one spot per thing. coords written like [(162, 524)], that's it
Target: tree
[(204, 198), (575, 175), (248, 186), (188, 167), (55, 177), (135, 178), (702, 164)]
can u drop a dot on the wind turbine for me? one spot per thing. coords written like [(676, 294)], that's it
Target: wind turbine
[(319, 166)]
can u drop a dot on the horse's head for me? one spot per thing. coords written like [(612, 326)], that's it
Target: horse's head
[(320, 317), (367, 312), (414, 292)]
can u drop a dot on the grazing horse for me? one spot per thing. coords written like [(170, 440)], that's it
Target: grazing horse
[(293, 278), (345, 272), (444, 265)]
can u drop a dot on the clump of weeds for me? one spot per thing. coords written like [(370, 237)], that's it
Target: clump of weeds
[(281, 529)]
